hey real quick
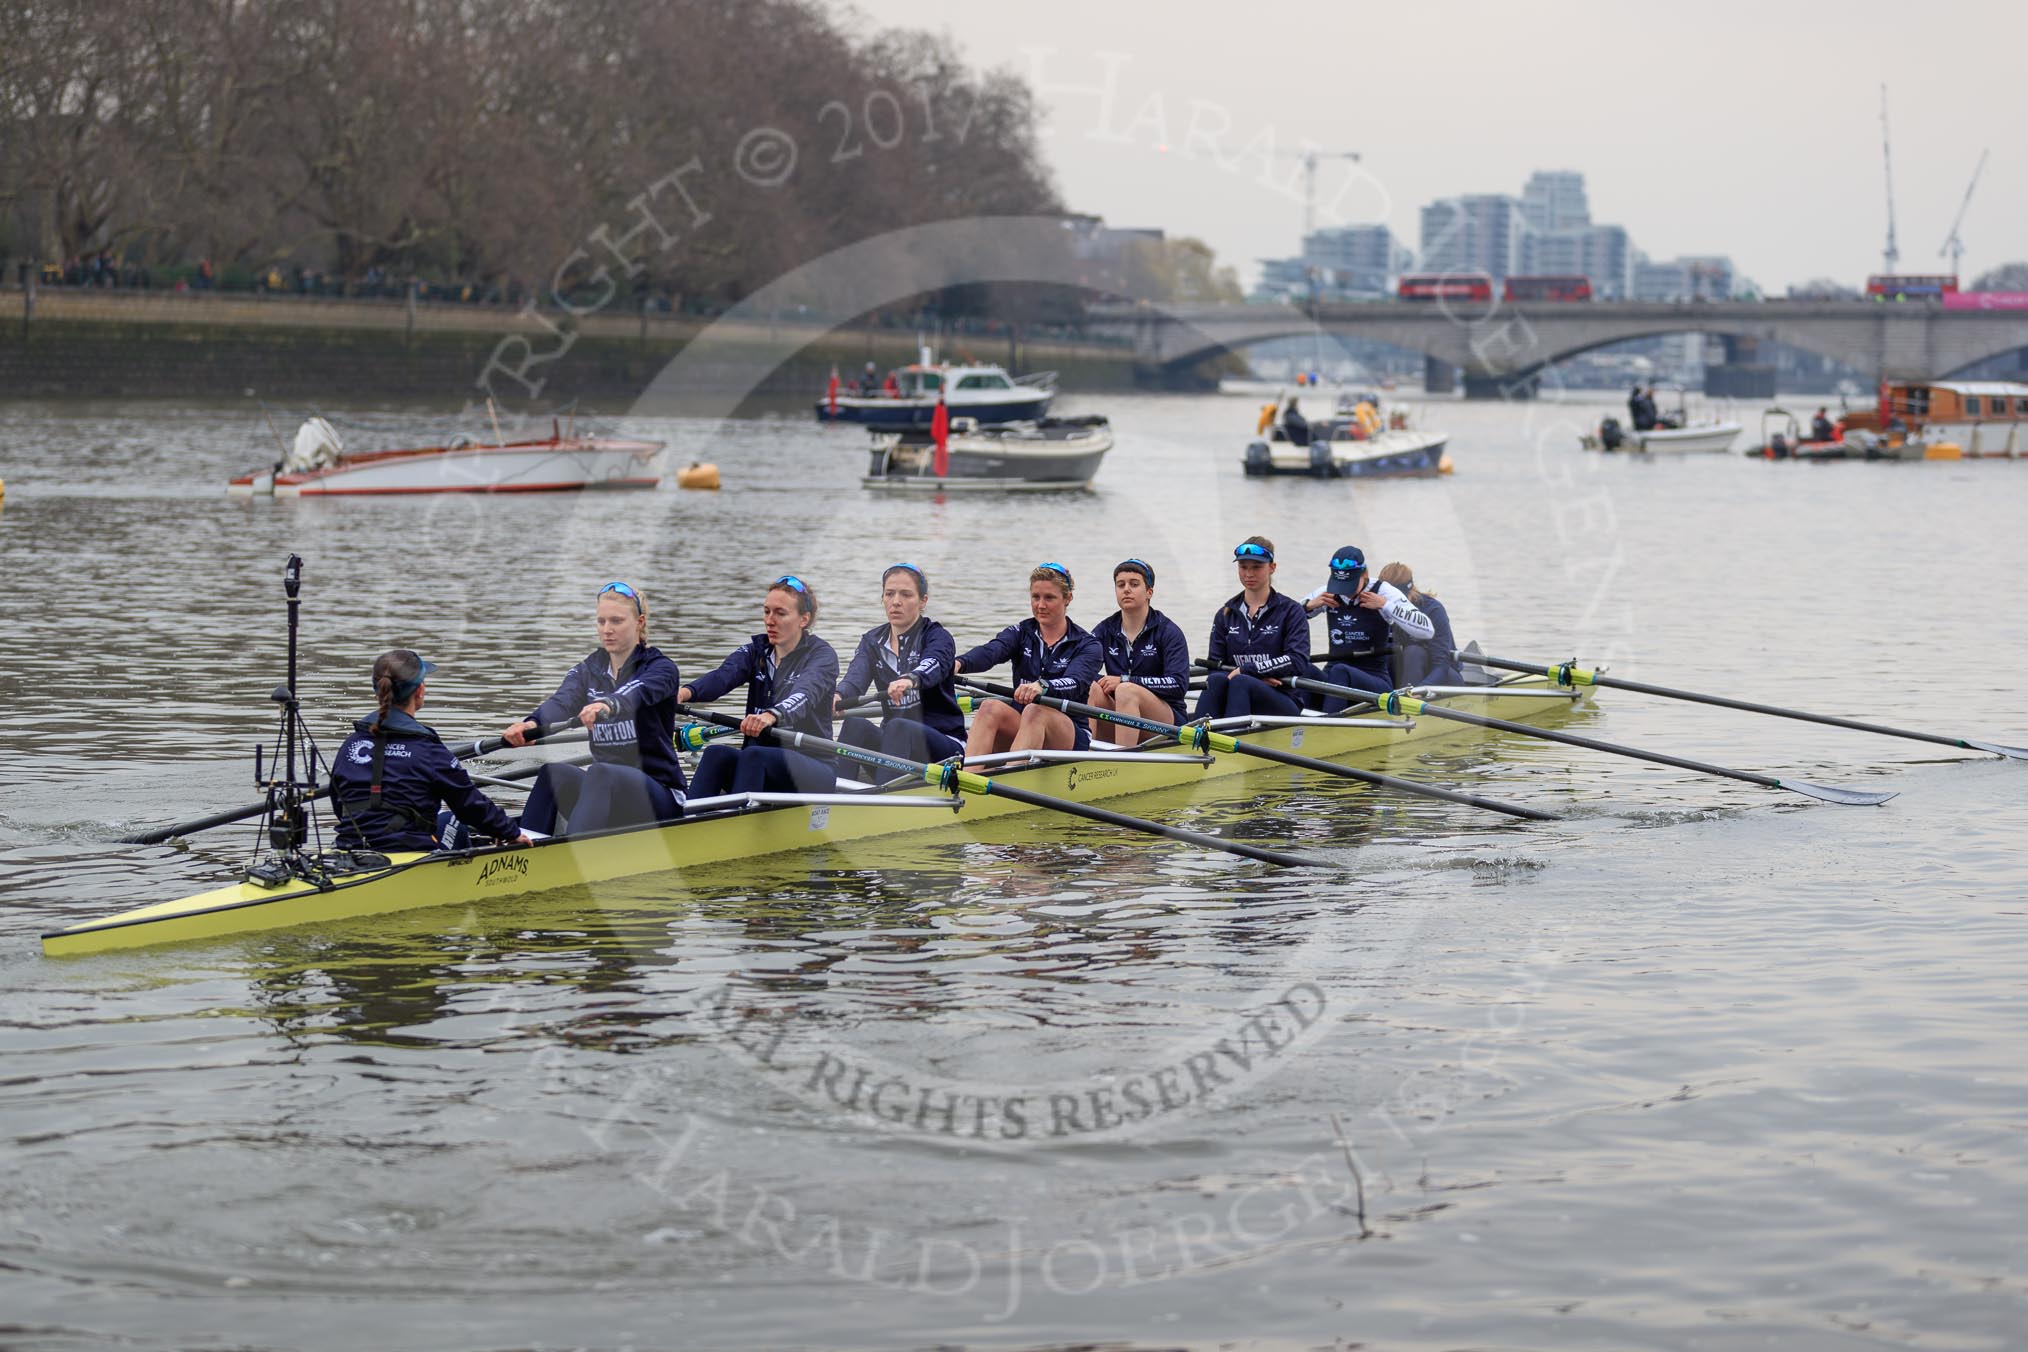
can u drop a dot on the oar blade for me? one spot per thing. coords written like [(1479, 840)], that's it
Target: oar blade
[(1831, 793), (1995, 749)]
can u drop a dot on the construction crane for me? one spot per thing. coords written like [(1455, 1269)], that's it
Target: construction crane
[(1954, 244), (1310, 159), (1892, 254)]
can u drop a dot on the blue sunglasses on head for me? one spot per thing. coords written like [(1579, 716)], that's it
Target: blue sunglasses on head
[(626, 591), (793, 583), (1254, 551), (1056, 568), (1348, 565)]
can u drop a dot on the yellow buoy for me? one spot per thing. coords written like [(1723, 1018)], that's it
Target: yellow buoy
[(1444, 465), (696, 474)]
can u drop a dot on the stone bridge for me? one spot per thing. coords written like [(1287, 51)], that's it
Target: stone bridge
[(1502, 347)]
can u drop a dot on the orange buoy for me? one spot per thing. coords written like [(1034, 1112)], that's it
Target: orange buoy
[(697, 474)]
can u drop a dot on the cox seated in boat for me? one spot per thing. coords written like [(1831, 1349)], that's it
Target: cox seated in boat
[(1422, 661), (624, 693), (790, 677), (1263, 633), (1146, 657), (908, 663), (1050, 656), (1362, 623), (390, 776)]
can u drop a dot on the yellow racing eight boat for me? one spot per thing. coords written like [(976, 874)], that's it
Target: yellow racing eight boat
[(748, 826)]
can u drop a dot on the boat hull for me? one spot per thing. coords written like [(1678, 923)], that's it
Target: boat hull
[(1699, 439), (1050, 455), (565, 464), (1393, 454), (488, 877), (1003, 406)]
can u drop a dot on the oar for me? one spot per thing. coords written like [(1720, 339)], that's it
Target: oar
[(1198, 737), (950, 778), (1398, 703), (1567, 673), (566, 731)]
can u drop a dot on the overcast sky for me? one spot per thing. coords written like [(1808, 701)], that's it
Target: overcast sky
[(1749, 129)]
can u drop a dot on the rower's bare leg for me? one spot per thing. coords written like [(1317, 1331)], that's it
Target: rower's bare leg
[(1141, 702), (1113, 732), (994, 727), (1044, 729)]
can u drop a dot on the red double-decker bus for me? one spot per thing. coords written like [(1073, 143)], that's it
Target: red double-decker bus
[(1446, 286), (1548, 288), (1908, 286)]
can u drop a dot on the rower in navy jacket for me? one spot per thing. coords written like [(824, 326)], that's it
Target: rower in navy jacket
[(908, 663), (1051, 656), (1362, 622), (1146, 657), (1263, 633), (391, 773), (790, 676), (1419, 661), (624, 693)]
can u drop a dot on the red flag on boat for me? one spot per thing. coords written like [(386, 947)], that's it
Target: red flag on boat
[(940, 432), (831, 393)]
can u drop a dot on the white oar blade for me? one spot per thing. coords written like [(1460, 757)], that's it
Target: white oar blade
[(1995, 749), (1832, 794)]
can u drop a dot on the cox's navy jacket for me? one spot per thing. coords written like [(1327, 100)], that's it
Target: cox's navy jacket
[(797, 690), (1157, 660), (642, 725), (1065, 669), (927, 652), (1431, 661), (417, 772), (1365, 639), (1274, 644)]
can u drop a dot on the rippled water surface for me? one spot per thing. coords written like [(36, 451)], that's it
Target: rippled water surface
[(1699, 1065)]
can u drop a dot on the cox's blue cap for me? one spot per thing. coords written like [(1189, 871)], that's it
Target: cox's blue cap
[(1347, 563)]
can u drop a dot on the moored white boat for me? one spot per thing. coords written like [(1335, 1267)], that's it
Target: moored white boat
[(1051, 454), (318, 466), (980, 391)]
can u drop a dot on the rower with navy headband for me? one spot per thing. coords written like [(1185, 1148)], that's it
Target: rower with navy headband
[(1051, 656), (1363, 622), (1146, 656), (390, 775), (1263, 633), (624, 693), (790, 676), (908, 662)]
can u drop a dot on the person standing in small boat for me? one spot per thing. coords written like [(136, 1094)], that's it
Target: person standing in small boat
[(1263, 633), (1051, 656), (1422, 661), (624, 693), (1362, 622), (390, 776), (1146, 657), (790, 677), (908, 662)]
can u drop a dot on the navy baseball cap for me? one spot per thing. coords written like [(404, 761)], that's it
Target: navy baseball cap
[(1347, 563)]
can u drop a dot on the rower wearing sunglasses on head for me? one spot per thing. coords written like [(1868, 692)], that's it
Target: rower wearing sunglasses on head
[(1051, 656), (1263, 633), (908, 662), (790, 676), (390, 775), (624, 694), (1363, 620), (1146, 656)]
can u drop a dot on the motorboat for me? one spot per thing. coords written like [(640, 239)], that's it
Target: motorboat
[(318, 465), (1046, 454), (1354, 443), (1677, 433), (981, 391)]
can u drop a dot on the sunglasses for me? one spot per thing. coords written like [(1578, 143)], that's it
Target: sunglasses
[(1056, 568), (626, 591), (1254, 551), (905, 567), (1348, 565), (1140, 566), (793, 583)]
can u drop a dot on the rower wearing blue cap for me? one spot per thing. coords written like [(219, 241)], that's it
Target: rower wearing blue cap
[(1264, 634), (1363, 622), (624, 693), (1147, 659), (908, 662), (1051, 656), (391, 774)]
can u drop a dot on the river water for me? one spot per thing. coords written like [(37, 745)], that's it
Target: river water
[(1698, 1065)]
